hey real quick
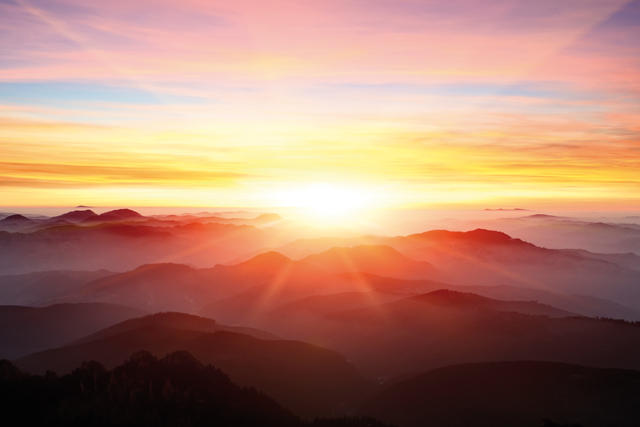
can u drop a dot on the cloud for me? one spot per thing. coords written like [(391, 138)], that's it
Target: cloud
[(428, 93)]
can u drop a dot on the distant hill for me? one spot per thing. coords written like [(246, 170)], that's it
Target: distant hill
[(76, 216), (24, 330), (123, 241), (511, 394), (308, 379), (15, 222), (492, 258), (605, 236), (579, 304), (280, 280), (13, 219), (318, 307), (172, 320), (114, 215), (153, 287), (227, 292), (467, 300)]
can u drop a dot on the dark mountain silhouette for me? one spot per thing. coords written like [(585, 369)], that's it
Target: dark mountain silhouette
[(24, 330), (144, 391), (512, 394), (308, 379), (76, 216)]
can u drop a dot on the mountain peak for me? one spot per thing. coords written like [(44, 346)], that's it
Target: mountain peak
[(266, 259), (116, 215), (76, 215), (16, 218), (488, 236), (165, 320), (479, 235)]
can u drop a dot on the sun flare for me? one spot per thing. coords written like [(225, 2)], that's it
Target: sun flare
[(327, 203)]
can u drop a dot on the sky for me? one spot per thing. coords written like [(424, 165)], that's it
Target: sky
[(498, 103)]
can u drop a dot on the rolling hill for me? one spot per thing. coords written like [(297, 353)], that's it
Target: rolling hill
[(309, 380), (444, 327)]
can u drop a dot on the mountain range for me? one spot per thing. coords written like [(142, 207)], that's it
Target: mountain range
[(434, 328), (310, 380)]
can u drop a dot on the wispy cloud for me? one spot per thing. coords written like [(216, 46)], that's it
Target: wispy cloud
[(451, 97)]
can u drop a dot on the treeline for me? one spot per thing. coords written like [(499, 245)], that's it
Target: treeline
[(176, 390)]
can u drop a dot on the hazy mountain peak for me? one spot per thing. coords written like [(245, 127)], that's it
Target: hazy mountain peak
[(172, 320), (479, 235), (266, 259), (15, 218), (541, 216), (76, 215), (116, 215)]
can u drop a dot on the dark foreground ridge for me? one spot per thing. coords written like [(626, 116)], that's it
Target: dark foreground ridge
[(522, 394), (177, 390)]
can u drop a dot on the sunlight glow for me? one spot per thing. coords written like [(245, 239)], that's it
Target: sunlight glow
[(326, 202)]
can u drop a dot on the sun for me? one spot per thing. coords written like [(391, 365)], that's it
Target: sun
[(327, 203)]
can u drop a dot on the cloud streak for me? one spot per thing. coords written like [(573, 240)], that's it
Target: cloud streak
[(435, 97)]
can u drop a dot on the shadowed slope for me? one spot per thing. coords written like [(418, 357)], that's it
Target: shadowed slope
[(511, 394), (24, 330), (444, 327)]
